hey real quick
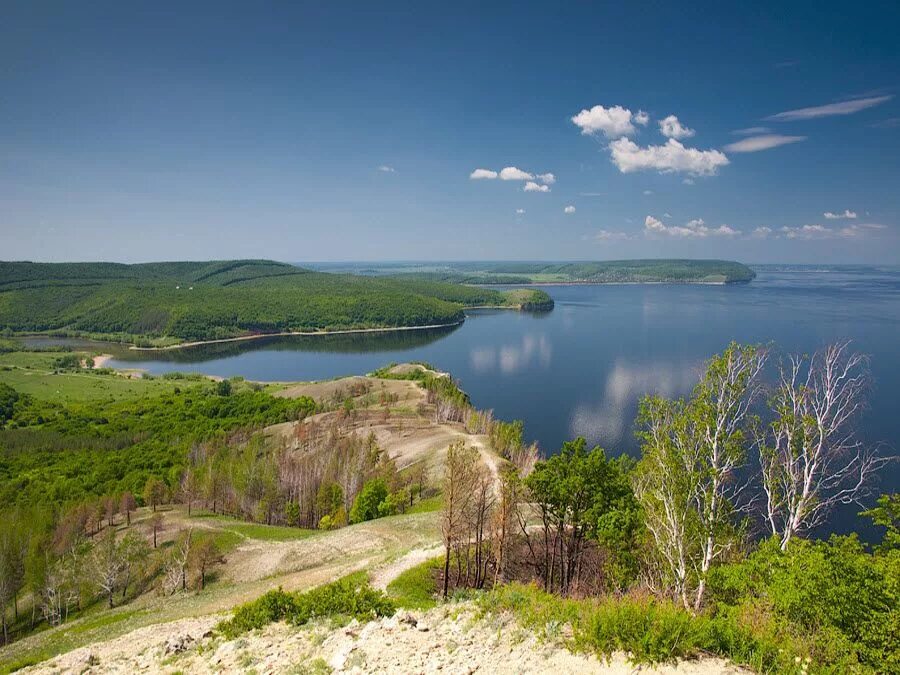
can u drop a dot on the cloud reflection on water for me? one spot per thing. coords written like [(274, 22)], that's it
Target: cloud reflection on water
[(513, 358), (606, 422)]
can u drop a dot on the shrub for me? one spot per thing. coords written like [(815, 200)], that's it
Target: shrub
[(348, 597)]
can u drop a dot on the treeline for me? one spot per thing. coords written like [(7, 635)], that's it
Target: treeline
[(700, 545), (203, 301), (56, 454), (610, 271)]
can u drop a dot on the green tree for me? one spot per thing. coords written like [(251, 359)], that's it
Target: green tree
[(575, 491), (365, 506), (154, 492)]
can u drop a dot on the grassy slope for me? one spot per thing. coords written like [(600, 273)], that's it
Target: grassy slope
[(202, 301)]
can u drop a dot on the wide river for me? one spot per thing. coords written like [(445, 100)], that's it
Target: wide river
[(580, 369)]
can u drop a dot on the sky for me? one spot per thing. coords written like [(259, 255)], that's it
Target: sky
[(338, 131)]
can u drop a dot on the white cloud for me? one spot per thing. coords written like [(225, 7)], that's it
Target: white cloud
[(667, 215), (513, 173), (641, 118), (531, 186), (648, 192), (672, 156), (609, 235), (838, 216), (806, 232), (752, 131), (688, 181), (482, 174), (546, 178), (757, 143), (761, 232), (613, 122), (520, 211), (842, 108), (859, 230), (569, 209), (696, 228), (671, 127), (386, 168)]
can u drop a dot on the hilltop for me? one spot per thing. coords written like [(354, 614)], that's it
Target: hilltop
[(172, 302)]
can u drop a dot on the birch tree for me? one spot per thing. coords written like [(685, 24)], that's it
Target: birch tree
[(811, 459), (687, 479)]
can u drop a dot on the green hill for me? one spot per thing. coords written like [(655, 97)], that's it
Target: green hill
[(223, 299)]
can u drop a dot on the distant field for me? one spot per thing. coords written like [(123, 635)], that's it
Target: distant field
[(161, 303)]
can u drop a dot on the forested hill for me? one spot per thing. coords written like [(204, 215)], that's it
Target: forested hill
[(171, 302), (591, 272)]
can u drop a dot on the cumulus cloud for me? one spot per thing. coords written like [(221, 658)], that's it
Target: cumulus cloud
[(613, 122), (807, 232), (609, 235), (479, 174), (851, 215), (569, 209), (386, 169), (671, 127), (628, 156), (761, 232), (513, 173), (752, 131), (696, 228), (829, 110), (766, 142), (641, 118), (688, 181), (546, 178), (648, 192), (531, 186), (860, 230)]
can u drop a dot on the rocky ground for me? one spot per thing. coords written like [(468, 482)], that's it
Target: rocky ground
[(454, 638)]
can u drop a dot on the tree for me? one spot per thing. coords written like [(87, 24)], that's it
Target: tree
[(686, 480), (204, 554), (156, 526), (127, 505), (111, 506), (175, 576), (154, 492), (190, 487), (459, 479), (887, 515), (12, 564), (365, 506), (812, 460), (572, 490), (108, 564), (134, 551)]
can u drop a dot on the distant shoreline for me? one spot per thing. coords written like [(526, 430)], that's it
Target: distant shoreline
[(244, 338), (615, 283)]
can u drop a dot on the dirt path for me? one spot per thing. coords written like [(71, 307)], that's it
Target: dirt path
[(383, 576)]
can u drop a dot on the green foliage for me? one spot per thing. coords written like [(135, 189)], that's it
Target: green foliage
[(348, 597), (887, 515), (583, 496), (846, 599), (366, 505), (416, 588), (9, 397), (650, 631), (205, 301), (56, 454)]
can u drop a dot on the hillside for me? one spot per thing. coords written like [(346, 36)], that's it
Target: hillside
[(599, 272), (215, 300)]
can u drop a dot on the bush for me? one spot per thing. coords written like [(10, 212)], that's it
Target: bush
[(350, 597)]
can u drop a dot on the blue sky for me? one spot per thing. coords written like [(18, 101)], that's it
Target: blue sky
[(340, 131)]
